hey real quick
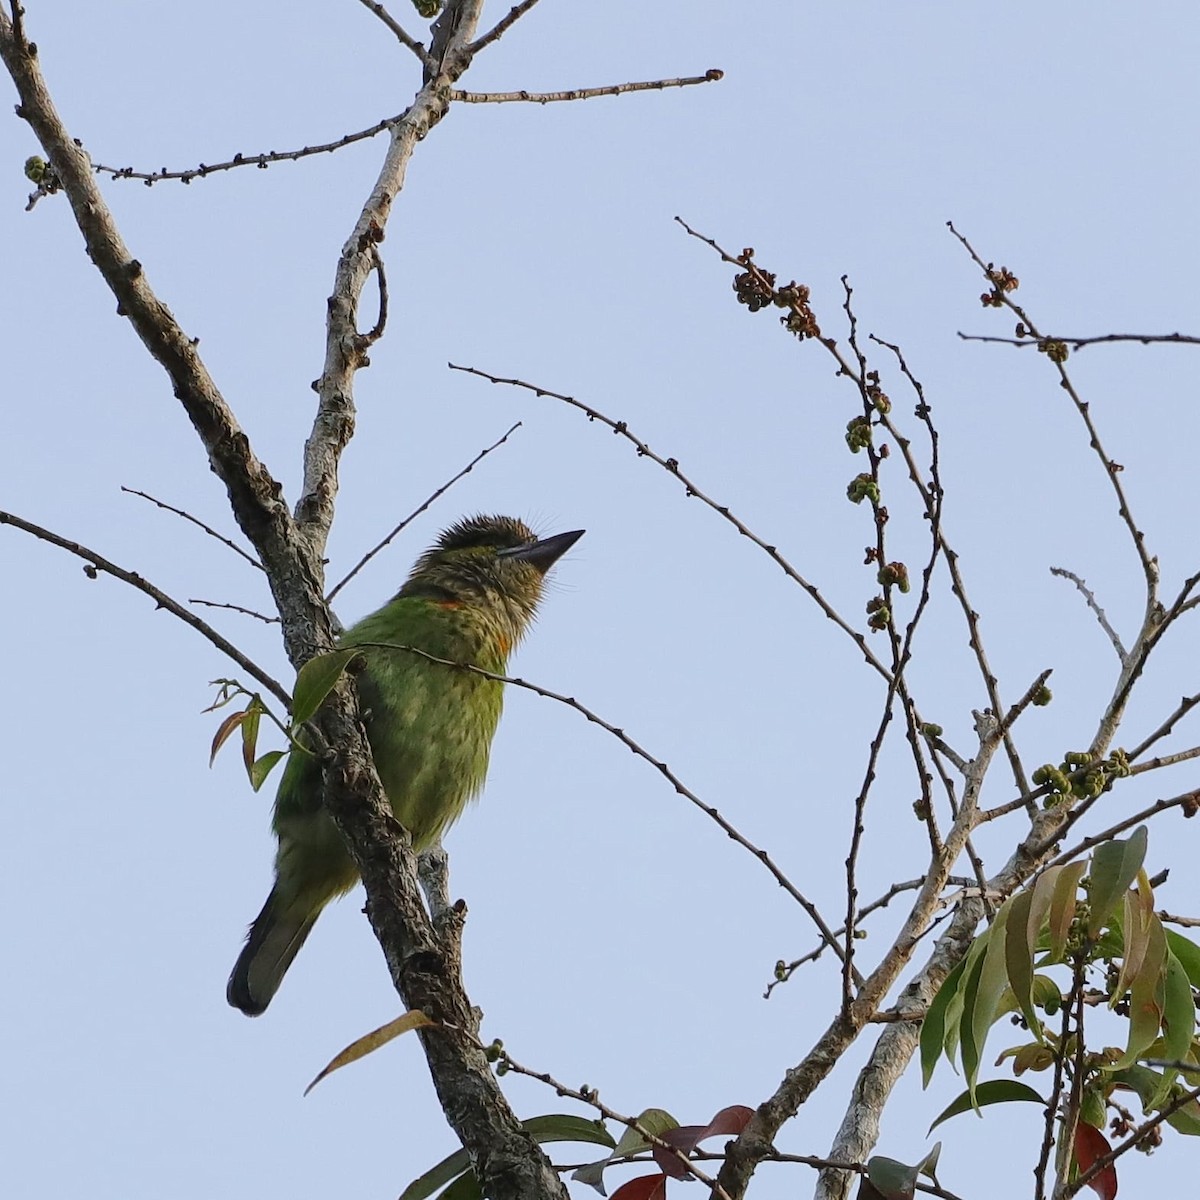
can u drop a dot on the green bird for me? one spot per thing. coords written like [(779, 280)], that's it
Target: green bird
[(470, 598)]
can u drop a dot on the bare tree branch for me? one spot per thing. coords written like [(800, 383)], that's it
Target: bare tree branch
[(261, 161), (412, 516), (426, 972), (249, 612), (1001, 296), (1077, 343), (98, 562), (671, 465), (661, 767), (615, 89), (179, 512), (1101, 616), (398, 30), (503, 25)]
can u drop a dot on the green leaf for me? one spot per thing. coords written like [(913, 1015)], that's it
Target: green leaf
[(447, 1170), (655, 1121), (550, 1127), (566, 1127), (933, 1028), (1146, 998), (895, 1180), (1136, 924), (1188, 954), (1019, 945), (892, 1179), (315, 680), (254, 712), (1062, 908), (465, 1187), (992, 980), (969, 1049), (991, 1091), (1042, 894), (1147, 1083), (1046, 995), (262, 767), (1179, 1011), (1114, 866)]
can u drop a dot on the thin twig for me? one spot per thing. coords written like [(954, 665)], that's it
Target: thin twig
[(1154, 625), (376, 331), (1134, 1139), (1165, 760), (99, 563), (1185, 922), (1031, 694), (660, 766), (1111, 469), (402, 37), (671, 465), (1184, 707), (1039, 1172), (412, 516), (746, 263), (1077, 343), (1092, 603), (502, 26), (179, 512), (262, 161), (1111, 832), (591, 1097), (787, 970), (614, 89), (249, 612)]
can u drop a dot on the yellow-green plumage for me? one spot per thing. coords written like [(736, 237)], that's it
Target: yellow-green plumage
[(469, 599)]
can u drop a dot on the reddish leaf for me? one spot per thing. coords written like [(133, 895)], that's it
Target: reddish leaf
[(729, 1121), (224, 730), (1091, 1145), (644, 1187)]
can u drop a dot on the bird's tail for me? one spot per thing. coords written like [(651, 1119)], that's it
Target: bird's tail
[(275, 938)]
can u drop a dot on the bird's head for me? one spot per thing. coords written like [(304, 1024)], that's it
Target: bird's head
[(497, 564)]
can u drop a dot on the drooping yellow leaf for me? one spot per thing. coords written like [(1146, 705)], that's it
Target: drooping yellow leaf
[(413, 1019)]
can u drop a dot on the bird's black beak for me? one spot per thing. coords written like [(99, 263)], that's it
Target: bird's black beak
[(545, 553)]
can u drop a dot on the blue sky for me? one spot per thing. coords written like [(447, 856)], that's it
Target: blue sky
[(615, 936)]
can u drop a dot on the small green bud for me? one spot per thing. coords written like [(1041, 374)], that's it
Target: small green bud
[(858, 434), (781, 970), (860, 935), (1054, 350), (35, 168), (1042, 696), (894, 574), (930, 730), (495, 1051), (1077, 758), (881, 401), (863, 487)]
